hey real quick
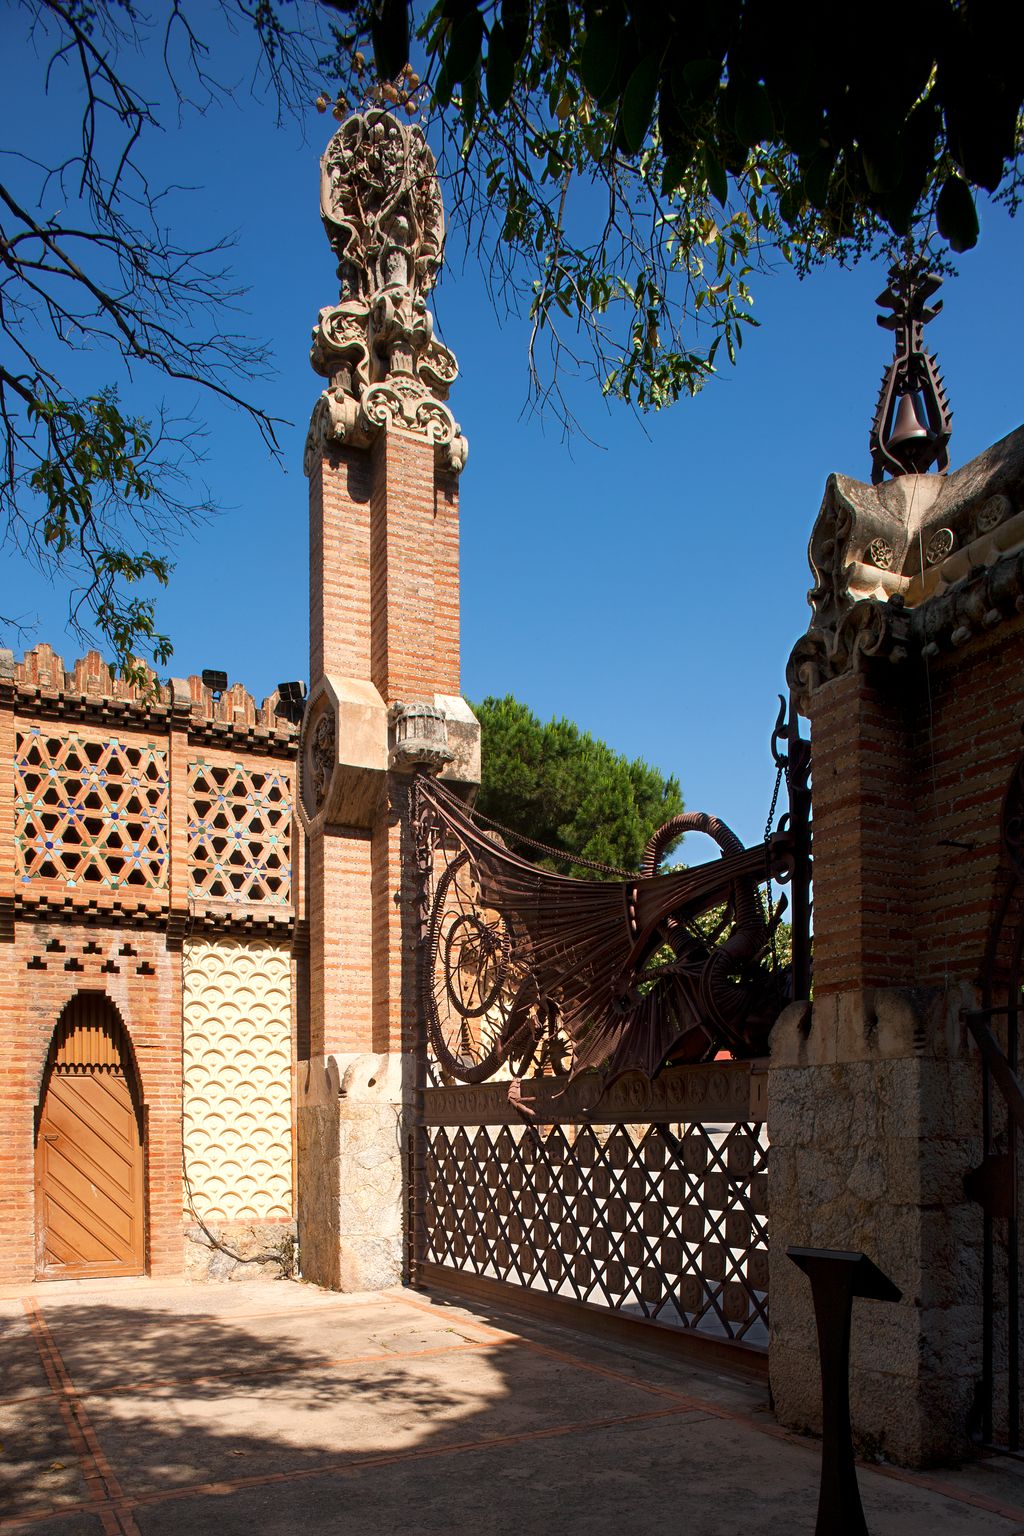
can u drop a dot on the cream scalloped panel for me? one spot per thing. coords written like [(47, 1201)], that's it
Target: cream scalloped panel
[(237, 1098)]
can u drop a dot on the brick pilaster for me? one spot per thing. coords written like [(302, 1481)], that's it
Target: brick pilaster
[(863, 822), (340, 942), (339, 565), (403, 661)]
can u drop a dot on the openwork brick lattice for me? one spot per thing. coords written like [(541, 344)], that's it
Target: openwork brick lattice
[(666, 1221), (90, 812), (239, 833)]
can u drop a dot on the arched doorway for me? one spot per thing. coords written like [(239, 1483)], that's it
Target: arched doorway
[(90, 1186)]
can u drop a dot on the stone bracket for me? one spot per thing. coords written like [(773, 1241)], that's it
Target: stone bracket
[(343, 753)]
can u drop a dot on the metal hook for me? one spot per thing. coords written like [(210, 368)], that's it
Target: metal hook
[(780, 733)]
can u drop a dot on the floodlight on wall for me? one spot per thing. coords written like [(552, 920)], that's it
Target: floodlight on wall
[(291, 701), (217, 682)]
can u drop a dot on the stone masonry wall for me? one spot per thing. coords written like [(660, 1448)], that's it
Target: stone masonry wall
[(873, 1115)]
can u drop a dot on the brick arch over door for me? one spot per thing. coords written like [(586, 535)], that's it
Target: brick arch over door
[(90, 1181)]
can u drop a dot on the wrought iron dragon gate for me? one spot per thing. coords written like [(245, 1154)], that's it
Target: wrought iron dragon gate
[(575, 1135)]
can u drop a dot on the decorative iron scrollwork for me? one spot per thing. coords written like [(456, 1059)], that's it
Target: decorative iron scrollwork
[(520, 964)]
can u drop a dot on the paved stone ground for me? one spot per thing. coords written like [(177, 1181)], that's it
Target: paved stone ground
[(131, 1407)]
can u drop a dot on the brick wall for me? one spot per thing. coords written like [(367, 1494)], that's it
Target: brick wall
[(95, 929), (339, 565), (340, 941), (910, 769), (41, 970)]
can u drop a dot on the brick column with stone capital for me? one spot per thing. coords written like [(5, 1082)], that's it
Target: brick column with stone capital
[(383, 457), (910, 675)]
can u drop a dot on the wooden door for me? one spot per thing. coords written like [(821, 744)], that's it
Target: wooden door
[(90, 1196)]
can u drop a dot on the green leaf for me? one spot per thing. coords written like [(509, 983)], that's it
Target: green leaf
[(599, 56), (718, 181), (389, 33), (956, 215), (883, 165), (515, 24), (638, 102), (557, 24), (464, 43), (470, 101), (501, 69), (675, 169), (696, 81), (817, 173), (753, 120), (443, 86)]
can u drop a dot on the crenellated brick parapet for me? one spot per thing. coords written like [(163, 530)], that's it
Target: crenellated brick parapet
[(150, 856), (87, 688)]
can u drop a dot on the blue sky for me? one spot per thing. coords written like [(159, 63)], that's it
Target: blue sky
[(650, 587)]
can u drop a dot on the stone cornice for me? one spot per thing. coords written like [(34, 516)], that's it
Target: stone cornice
[(152, 911), (890, 632)]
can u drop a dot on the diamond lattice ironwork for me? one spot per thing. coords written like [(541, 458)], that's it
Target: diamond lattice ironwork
[(662, 1222), (90, 811), (239, 833)]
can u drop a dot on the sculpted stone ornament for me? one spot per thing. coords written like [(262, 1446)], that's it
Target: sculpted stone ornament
[(920, 562), (321, 757), (914, 565), (381, 205), (419, 737)]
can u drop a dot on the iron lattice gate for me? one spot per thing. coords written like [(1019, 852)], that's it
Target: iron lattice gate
[(646, 1203)]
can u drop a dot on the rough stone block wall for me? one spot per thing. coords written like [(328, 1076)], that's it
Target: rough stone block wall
[(873, 1107)]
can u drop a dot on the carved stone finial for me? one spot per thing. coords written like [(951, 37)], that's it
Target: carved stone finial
[(381, 205), (419, 737), (913, 422)]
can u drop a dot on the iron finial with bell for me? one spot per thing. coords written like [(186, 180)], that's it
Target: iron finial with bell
[(912, 426)]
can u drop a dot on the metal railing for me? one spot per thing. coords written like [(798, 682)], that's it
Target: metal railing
[(647, 1202)]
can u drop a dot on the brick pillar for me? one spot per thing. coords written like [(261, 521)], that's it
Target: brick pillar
[(384, 606), (912, 688), (383, 456)]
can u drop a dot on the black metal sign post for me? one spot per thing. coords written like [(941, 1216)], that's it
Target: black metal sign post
[(836, 1278)]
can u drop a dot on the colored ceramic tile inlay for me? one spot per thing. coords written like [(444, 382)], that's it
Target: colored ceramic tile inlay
[(90, 812), (239, 833)]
